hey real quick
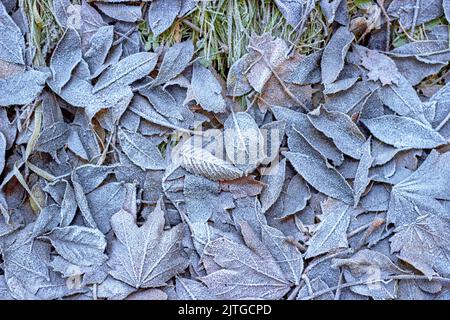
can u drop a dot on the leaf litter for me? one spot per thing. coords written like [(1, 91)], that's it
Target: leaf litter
[(143, 172)]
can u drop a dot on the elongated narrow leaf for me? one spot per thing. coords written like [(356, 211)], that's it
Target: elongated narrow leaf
[(274, 180), (162, 101), (21, 88), (244, 141), (12, 44), (127, 70), (316, 138), (65, 58), (174, 62), (362, 178), (332, 232), (334, 54), (207, 90), (340, 128), (311, 165), (97, 53), (161, 14), (79, 245), (403, 132), (141, 151)]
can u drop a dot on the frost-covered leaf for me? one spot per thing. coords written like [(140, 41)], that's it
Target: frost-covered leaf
[(12, 44), (292, 10), (79, 245), (272, 53), (350, 100), (104, 202), (446, 7), (237, 82), (362, 178), (203, 199), (162, 101), (247, 271), (161, 15), (296, 196), (340, 128), (316, 285), (425, 245), (68, 206), (340, 85), (207, 90), (311, 165), (146, 256), (21, 88), (26, 268), (307, 70), (334, 54), (188, 289), (402, 98), (330, 8), (61, 11), (244, 142), (316, 138), (419, 193), (48, 219), (201, 162), (127, 70), (274, 180), (407, 13), (380, 67), (442, 101), (121, 12), (332, 232), (273, 134), (65, 58), (175, 60), (371, 266), (53, 138), (403, 132), (82, 202), (96, 55), (287, 255), (141, 151)]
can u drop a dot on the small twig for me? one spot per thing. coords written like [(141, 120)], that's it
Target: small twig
[(124, 37), (298, 245), (301, 25), (308, 284), (380, 3), (322, 259), (338, 290), (294, 292), (416, 15), (405, 32), (358, 230)]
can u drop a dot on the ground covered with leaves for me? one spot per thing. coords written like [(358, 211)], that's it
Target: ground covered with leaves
[(241, 149)]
